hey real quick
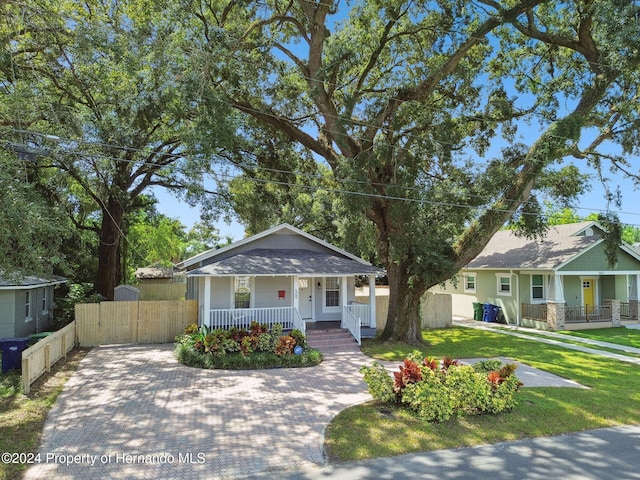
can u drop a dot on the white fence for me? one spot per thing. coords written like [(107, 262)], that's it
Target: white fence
[(361, 311), (352, 323), (288, 317)]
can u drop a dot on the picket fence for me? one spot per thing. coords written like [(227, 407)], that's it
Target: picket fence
[(39, 358)]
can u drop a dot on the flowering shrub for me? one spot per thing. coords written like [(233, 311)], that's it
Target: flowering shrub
[(437, 391)]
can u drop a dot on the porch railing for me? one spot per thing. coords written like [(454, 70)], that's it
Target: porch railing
[(351, 322), (598, 313), (361, 311), (624, 310), (537, 311), (288, 317)]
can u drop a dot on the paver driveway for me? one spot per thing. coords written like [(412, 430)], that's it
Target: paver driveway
[(135, 412)]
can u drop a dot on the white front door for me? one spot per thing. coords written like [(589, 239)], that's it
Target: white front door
[(306, 298)]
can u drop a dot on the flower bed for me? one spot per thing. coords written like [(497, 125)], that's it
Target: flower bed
[(437, 391), (236, 348)]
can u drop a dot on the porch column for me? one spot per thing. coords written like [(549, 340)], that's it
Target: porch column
[(614, 306), (634, 298), (372, 300), (296, 292), (555, 315), (207, 301), (556, 289), (343, 299)]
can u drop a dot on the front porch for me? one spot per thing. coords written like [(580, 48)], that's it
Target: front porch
[(560, 316), (357, 318)]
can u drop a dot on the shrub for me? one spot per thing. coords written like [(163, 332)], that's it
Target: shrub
[(237, 348), (436, 393), (486, 366), (285, 346), (299, 337), (379, 382)]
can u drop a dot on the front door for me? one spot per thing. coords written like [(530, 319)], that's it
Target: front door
[(588, 292), (305, 302)]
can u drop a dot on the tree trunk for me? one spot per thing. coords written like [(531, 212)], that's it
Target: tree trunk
[(109, 251), (403, 319)]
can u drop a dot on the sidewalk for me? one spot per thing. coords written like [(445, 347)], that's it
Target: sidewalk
[(558, 339)]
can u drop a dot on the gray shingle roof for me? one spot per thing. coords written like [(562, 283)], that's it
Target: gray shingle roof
[(286, 262), (560, 244), (31, 281)]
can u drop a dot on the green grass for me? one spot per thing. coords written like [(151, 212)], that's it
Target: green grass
[(22, 416), (621, 336), (374, 430)]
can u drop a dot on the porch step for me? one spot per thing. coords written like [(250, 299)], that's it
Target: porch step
[(332, 341)]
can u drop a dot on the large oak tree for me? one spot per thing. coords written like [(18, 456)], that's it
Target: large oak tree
[(407, 103), (105, 88)]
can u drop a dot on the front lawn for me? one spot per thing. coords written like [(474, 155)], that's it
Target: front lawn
[(374, 430), (622, 336)]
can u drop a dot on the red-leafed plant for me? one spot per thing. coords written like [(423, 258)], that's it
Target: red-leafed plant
[(431, 363), (408, 374), (449, 362)]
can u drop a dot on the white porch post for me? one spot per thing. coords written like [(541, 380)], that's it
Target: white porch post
[(296, 292), (207, 301), (343, 299), (372, 300), (556, 289), (633, 288), (634, 298)]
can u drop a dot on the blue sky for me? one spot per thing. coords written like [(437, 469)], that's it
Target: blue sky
[(592, 201)]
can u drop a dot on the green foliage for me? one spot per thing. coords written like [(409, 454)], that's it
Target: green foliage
[(437, 394), (299, 337), (379, 382), (238, 348)]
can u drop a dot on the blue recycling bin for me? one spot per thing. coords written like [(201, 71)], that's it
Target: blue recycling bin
[(490, 312), (12, 352)]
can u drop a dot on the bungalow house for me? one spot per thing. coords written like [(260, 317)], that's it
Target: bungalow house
[(26, 305), (561, 281), (282, 275)]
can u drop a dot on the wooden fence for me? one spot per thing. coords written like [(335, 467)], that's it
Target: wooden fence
[(110, 323), (39, 358)]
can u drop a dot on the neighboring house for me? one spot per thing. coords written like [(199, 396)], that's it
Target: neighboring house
[(282, 275), (26, 305), (560, 281)]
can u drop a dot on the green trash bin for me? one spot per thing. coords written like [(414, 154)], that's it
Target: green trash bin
[(477, 311), (36, 337)]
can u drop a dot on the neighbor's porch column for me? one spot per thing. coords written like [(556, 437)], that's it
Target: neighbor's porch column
[(634, 298), (207, 301), (372, 301), (555, 303)]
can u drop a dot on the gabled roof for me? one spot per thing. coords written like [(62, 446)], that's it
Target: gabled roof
[(27, 282), (561, 244), (330, 260)]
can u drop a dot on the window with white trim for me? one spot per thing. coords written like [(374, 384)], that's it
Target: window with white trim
[(537, 287), (242, 293), (27, 307), (331, 293), (504, 285), (44, 300), (470, 282)]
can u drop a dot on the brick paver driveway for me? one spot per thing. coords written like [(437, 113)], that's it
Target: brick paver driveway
[(135, 412)]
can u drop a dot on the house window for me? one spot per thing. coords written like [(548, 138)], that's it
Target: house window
[(27, 307), (470, 282), (537, 287), (504, 285), (331, 292), (44, 300), (242, 294)]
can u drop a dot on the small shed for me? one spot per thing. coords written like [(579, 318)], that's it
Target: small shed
[(126, 293)]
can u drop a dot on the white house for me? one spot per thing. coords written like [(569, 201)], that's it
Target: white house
[(282, 275)]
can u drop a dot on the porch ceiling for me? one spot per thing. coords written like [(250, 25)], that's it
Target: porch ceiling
[(286, 262)]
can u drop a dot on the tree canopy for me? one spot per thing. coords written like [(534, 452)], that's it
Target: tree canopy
[(439, 121)]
